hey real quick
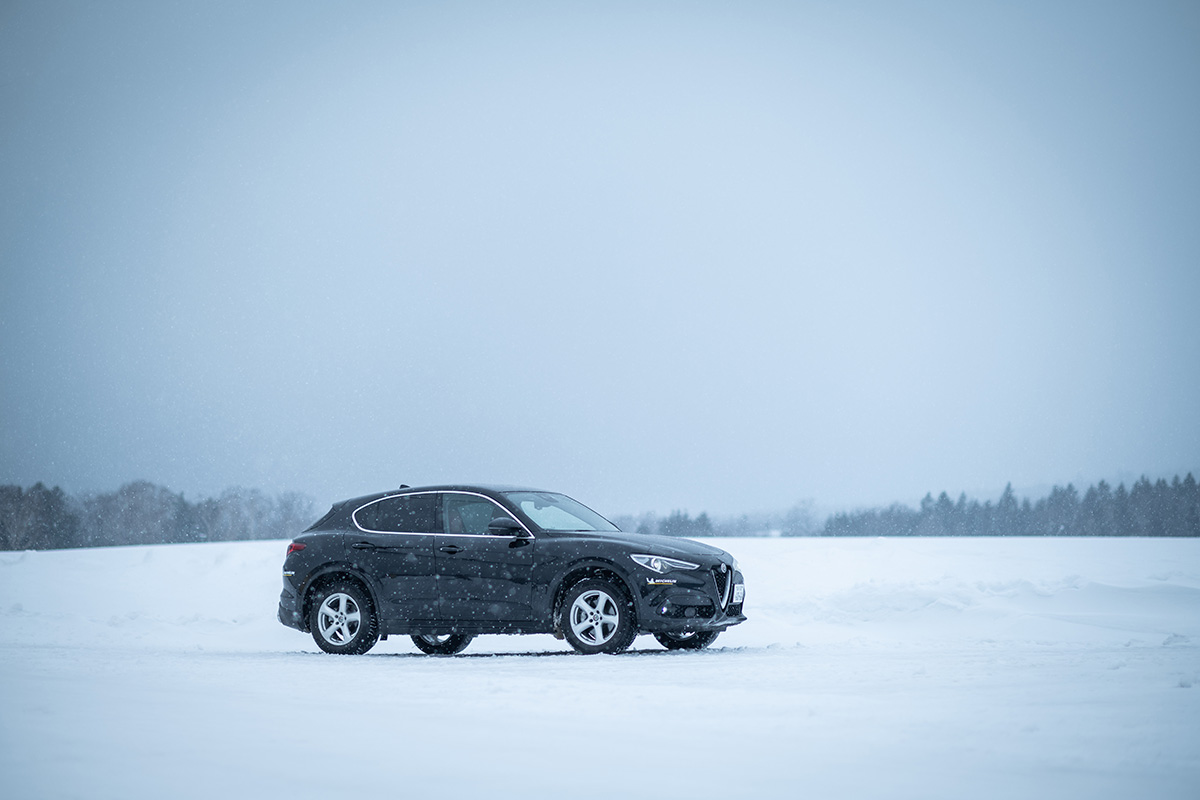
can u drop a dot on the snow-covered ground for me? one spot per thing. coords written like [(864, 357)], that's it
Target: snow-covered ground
[(950, 668)]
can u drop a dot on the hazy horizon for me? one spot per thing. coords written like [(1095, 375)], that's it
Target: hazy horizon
[(817, 509)]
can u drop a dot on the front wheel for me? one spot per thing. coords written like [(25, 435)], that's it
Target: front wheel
[(342, 619), (442, 645), (686, 640), (597, 617)]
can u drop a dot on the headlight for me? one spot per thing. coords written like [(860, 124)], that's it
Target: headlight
[(660, 564)]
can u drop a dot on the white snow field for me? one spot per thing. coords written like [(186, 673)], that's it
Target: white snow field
[(922, 668)]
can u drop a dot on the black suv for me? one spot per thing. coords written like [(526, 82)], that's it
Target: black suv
[(445, 563)]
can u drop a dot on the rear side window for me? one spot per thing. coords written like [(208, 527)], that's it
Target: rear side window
[(415, 513)]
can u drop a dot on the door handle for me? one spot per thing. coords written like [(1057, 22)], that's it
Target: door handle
[(451, 549), (364, 546)]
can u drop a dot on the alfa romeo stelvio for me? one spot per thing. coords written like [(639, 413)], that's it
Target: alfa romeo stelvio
[(443, 564)]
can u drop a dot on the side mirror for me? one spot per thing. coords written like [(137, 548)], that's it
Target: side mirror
[(505, 526)]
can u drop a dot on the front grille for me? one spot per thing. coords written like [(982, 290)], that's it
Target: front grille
[(723, 575), (734, 609)]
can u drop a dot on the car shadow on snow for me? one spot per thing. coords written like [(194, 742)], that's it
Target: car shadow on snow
[(647, 653)]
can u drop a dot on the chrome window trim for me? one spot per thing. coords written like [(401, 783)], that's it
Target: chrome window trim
[(354, 518)]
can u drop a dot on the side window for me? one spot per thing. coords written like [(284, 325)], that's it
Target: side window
[(405, 514), (467, 513)]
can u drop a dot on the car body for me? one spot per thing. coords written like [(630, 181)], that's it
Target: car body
[(445, 563)]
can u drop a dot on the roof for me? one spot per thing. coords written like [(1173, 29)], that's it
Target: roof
[(482, 488)]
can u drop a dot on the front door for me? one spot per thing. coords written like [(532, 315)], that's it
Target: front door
[(482, 577)]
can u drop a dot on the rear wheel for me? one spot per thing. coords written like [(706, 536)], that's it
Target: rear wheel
[(597, 617), (442, 644), (342, 619), (686, 640)]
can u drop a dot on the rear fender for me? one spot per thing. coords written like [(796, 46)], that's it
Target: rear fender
[(332, 572)]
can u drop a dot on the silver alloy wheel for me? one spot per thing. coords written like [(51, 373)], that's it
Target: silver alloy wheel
[(339, 619), (595, 616)]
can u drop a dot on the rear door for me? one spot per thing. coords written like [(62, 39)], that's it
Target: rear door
[(482, 577), (394, 545)]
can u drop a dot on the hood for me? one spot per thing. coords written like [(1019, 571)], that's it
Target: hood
[(657, 545)]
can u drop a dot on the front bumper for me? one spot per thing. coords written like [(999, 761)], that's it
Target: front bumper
[(691, 601)]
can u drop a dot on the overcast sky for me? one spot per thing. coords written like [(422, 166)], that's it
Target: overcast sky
[(718, 257)]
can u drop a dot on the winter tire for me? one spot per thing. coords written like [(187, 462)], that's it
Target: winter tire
[(342, 619), (446, 644), (597, 617), (686, 640)]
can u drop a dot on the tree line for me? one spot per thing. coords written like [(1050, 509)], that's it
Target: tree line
[(797, 521), (40, 518), (1146, 509)]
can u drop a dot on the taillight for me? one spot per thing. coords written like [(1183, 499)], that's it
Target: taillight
[(295, 547)]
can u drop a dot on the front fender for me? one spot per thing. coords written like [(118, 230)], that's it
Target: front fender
[(567, 572)]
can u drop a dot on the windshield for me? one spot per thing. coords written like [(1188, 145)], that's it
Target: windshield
[(557, 512)]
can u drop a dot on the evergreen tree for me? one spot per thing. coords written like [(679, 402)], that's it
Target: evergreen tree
[(38, 518), (1122, 512), (1059, 512), (678, 523), (1191, 506), (1008, 513), (1174, 508), (799, 521), (1096, 511)]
